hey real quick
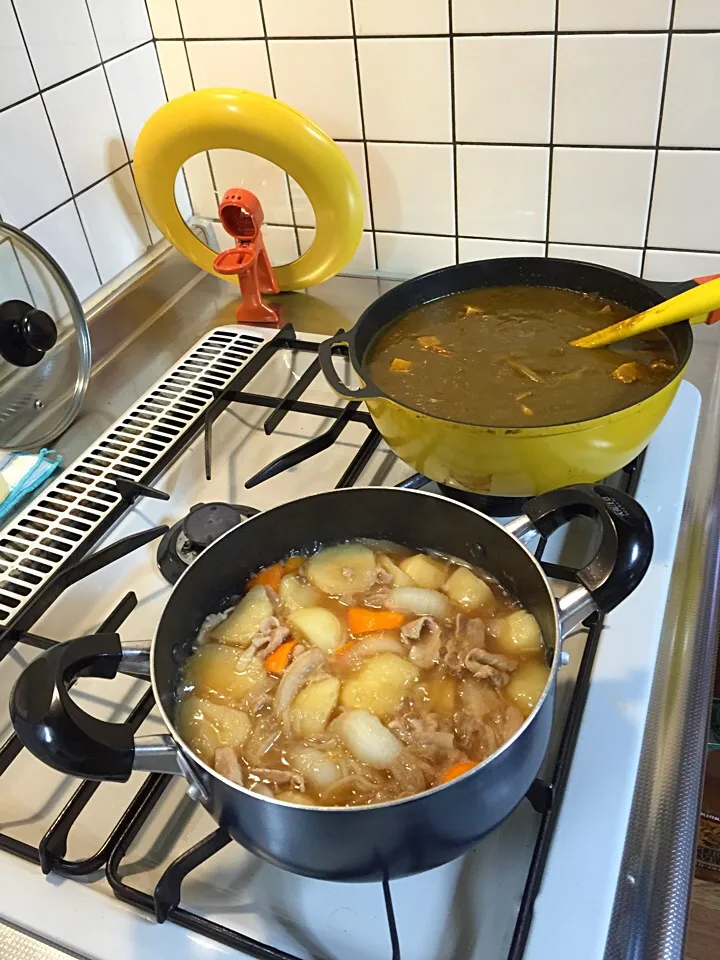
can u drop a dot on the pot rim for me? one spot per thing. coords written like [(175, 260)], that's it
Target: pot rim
[(190, 754), (520, 430)]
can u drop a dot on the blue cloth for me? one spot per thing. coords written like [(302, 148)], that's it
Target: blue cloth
[(23, 473)]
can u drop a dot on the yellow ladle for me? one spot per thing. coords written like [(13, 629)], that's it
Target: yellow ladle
[(693, 305)]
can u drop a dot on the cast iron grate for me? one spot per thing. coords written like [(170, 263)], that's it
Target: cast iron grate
[(230, 387)]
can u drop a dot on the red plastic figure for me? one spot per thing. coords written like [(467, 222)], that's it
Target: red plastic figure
[(242, 217)]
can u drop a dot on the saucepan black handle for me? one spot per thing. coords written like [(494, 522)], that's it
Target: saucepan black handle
[(325, 354), (51, 724), (626, 537)]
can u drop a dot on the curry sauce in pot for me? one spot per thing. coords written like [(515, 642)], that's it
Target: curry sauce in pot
[(501, 356)]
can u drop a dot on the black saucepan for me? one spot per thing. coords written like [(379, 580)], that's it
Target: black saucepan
[(336, 843)]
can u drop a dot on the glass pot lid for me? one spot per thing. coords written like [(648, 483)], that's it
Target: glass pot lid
[(44, 345)]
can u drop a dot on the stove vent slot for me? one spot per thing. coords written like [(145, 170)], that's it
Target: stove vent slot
[(37, 542)]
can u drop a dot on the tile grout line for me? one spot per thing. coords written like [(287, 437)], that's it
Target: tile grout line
[(453, 132), (211, 171), (551, 151), (557, 243), (32, 67), (274, 93), (72, 197), (73, 76), (458, 33), (119, 124), (167, 98), (656, 155), (366, 154)]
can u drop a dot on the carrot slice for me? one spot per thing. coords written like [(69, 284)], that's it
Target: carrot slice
[(361, 620), (339, 651), (457, 770), (268, 577), (278, 659), (294, 563)]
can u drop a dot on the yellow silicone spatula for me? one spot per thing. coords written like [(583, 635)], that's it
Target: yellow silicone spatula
[(693, 305)]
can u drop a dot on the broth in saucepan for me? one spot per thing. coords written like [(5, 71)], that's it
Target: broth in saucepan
[(501, 356)]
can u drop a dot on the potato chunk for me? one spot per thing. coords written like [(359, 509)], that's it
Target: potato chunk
[(206, 726), (399, 577), (424, 571), (527, 684), (317, 625), (343, 570), (223, 671), (469, 591), (242, 624), (518, 633), (380, 685), (442, 692), (295, 592), (312, 708)]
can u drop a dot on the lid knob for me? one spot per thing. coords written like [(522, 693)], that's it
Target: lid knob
[(26, 334)]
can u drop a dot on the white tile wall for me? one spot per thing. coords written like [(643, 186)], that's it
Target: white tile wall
[(502, 191), (690, 115), (600, 196), (503, 16), (574, 128), (608, 88), (501, 105), (318, 77), (614, 14), (406, 89), (586, 129), (78, 79), (18, 80)]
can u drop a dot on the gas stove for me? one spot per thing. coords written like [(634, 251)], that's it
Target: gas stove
[(241, 423)]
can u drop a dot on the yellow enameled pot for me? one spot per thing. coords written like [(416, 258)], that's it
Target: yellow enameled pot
[(511, 461)]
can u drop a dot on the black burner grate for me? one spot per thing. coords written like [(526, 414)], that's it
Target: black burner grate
[(165, 902)]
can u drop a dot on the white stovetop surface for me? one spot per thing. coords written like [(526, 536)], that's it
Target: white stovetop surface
[(463, 910)]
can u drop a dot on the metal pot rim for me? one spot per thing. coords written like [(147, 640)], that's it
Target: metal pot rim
[(193, 758)]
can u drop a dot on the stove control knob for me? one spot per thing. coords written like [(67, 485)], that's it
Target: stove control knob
[(26, 334)]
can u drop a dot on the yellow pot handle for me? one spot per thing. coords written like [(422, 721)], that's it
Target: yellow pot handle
[(243, 120)]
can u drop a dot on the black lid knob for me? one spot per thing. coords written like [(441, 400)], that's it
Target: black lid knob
[(26, 334)]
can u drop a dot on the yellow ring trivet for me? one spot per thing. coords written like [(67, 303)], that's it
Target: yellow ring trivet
[(243, 120)]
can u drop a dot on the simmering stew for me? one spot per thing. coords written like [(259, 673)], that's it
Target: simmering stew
[(501, 356), (363, 673)]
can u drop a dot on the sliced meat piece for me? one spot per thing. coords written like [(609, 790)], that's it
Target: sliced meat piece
[(497, 660), (409, 774), (271, 633), (228, 765), (425, 639), (422, 734), (469, 635), (483, 671), (490, 666), (278, 778)]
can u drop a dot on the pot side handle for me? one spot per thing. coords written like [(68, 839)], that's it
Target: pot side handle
[(325, 355), (56, 730), (624, 553)]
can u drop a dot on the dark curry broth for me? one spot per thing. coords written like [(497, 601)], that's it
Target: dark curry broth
[(501, 356)]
